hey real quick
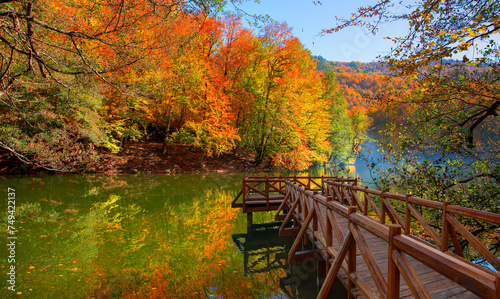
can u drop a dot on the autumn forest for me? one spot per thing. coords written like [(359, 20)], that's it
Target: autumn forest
[(86, 83), (80, 78)]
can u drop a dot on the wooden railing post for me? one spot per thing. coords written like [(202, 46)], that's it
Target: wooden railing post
[(342, 198), (335, 193), (331, 192), (305, 208), (245, 192), (382, 219), (351, 195), (266, 187), (446, 228), (408, 216), (393, 275), (299, 199), (322, 186), (315, 220), (351, 262), (329, 232), (497, 285), (366, 201)]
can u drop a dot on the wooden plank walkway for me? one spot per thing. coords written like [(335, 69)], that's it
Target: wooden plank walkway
[(361, 238)]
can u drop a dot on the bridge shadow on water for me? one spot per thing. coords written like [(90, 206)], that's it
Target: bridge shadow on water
[(264, 250)]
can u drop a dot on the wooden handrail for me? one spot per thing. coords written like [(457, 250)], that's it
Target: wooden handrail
[(480, 281), (264, 186), (448, 229), (479, 215), (317, 217)]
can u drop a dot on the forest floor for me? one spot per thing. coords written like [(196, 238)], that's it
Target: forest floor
[(147, 157)]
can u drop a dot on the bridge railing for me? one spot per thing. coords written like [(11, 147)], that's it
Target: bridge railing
[(342, 199)]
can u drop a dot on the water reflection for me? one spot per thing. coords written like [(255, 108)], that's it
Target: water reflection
[(131, 236), (301, 282), (152, 236), (265, 251)]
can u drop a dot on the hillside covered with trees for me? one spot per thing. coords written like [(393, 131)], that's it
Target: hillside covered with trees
[(361, 85)]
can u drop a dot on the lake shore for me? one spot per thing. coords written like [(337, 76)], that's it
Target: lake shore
[(147, 157)]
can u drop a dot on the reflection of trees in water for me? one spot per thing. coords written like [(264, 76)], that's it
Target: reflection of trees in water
[(137, 241), (152, 191), (302, 281), (124, 235)]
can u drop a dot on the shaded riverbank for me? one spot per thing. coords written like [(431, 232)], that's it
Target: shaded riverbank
[(147, 157)]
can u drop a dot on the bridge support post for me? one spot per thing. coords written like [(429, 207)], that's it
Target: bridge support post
[(321, 267), (306, 244), (249, 222), (393, 276)]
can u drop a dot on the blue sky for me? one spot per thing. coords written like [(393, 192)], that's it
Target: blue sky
[(307, 21)]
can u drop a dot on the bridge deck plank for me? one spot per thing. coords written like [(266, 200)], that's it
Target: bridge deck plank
[(277, 197)]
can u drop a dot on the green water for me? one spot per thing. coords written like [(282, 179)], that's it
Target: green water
[(137, 236)]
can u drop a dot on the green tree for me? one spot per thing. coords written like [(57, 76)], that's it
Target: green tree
[(341, 134)]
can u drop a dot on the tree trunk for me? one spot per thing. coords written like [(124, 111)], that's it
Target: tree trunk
[(167, 132)]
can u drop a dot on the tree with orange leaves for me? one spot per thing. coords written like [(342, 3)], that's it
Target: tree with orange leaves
[(79, 75), (63, 62), (286, 122)]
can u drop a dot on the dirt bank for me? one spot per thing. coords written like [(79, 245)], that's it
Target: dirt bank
[(147, 157)]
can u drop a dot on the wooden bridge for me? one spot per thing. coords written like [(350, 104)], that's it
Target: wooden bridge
[(370, 239), (260, 194)]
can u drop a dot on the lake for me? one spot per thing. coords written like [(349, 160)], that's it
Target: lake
[(151, 236)]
